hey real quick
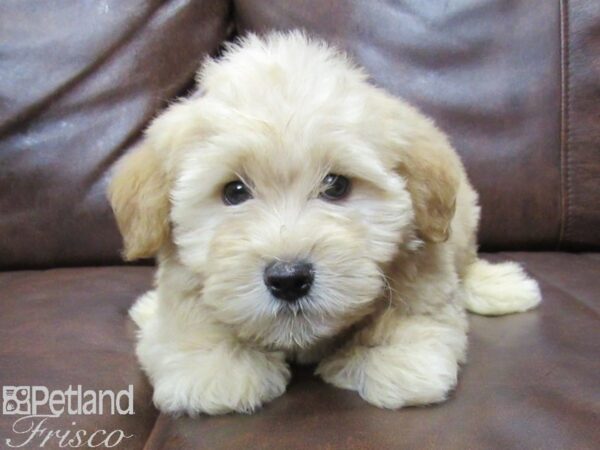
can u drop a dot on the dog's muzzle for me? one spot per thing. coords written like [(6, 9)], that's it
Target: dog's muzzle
[(289, 281)]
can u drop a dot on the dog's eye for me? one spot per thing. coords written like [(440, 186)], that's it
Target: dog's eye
[(337, 187), (236, 192)]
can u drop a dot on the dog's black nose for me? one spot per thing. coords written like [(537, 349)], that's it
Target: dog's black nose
[(289, 281)]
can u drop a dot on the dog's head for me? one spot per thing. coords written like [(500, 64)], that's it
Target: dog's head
[(287, 187)]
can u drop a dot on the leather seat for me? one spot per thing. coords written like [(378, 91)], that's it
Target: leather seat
[(516, 86), (531, 380)]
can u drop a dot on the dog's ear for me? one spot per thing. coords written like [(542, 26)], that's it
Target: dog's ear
[(422, 155), (139, 189), (139, 196), (432, 180)]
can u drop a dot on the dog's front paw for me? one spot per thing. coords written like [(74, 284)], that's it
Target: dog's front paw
[(393, 376), (221, 381)]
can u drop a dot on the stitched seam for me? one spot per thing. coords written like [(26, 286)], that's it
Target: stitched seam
[(565, 163), (569, 171)]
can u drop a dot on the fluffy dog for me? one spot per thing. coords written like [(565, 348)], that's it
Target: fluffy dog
[(299, 213)]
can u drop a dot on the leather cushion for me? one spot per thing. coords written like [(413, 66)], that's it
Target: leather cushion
[(531, 379), (70, 327)]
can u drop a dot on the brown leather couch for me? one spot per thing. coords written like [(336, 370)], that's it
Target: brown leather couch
[(516, 84)]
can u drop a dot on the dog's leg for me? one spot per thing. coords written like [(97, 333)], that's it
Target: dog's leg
[(144, 308), (401, 360), (202, 368)]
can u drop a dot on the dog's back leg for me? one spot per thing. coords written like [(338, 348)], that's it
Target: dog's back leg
[(144, 308)]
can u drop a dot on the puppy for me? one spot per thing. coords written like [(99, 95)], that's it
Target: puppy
[(299, 213)]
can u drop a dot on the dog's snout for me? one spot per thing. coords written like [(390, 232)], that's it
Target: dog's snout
[(289, 281)]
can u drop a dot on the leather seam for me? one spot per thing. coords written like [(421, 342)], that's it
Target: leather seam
[(565, 158)]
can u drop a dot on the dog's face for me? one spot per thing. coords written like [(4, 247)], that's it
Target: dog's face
[(288, 217), (287, 188)]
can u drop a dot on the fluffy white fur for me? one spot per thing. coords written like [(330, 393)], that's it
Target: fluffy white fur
[(395, 262), (496, 289)]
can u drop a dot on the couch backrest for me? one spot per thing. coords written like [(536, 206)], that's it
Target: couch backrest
[(516, 85), (78, 84)]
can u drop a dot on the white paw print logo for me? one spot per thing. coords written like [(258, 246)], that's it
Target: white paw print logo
[(16, 400)]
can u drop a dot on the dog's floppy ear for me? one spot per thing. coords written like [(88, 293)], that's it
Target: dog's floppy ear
[(422, 155), (139, 195), (432, 181), (139, 189)]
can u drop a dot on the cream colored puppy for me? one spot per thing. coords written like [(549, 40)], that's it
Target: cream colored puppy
[(297, 212)]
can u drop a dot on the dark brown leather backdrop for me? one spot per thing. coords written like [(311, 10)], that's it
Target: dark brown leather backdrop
[(79, 83), (516, 84)]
